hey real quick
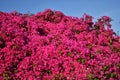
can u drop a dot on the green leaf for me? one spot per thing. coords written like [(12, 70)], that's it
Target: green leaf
[(97, 27), (69, 54), (111, 41), (82, 60), (91, 55), (49, 72), (105, 68), (61, 52), (5, 75), (90, 77), (111, 75), (118, 65), (112, 48), (98, 51), (77, 31), (96, 79)]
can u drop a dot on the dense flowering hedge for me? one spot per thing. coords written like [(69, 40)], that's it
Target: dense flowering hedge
[(51, 46)]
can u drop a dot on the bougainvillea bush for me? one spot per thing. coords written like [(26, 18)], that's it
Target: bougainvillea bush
[(52, 46)]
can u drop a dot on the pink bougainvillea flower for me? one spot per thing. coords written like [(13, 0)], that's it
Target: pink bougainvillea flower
[(52, 46)]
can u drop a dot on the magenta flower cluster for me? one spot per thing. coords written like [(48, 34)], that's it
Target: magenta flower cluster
[(52, 46)]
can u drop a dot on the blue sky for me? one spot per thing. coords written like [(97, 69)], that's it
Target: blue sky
[(95, 8)]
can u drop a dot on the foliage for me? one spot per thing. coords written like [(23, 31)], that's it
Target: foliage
[(52, 46)]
